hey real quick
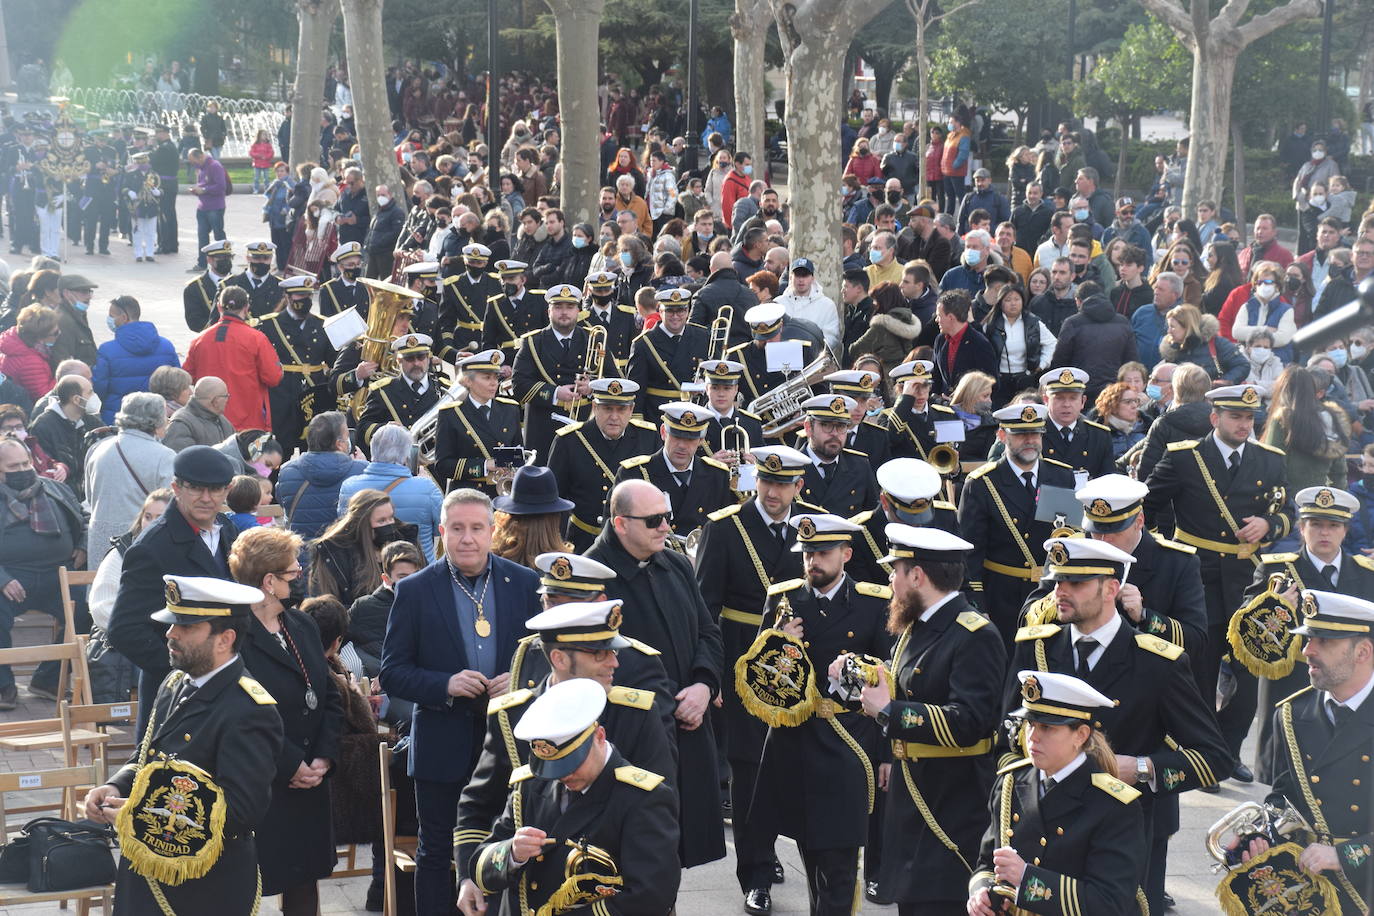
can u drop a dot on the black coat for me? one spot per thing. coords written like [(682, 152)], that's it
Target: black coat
[(621, 329), (912, 436), (367, 622), (661, 364), (1096, 340), (1053, 310), (336, 296), (1090, 450), (1087, 828), (391, 399), (262, 298), (724, 287), (666, 611), (66, 442), (463, 309), (975, 353), (465, 440), (1186, 421), (585, 463), (229, 732), (627, 811), (295, 839), (943, 697), (198, 302), (850, 488), (542, 366), (506, 321), (169, 546)]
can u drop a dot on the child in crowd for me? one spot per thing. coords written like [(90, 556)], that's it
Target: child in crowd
[(1265, 367), (262, 156), (244, 497)]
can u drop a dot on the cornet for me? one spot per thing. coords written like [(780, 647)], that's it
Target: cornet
[(595, 363), (1252, 819)]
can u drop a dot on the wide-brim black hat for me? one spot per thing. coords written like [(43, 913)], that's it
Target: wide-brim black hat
[(533, 492)]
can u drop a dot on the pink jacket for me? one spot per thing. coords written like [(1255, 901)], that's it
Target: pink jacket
[(264, 156), (25, 364)]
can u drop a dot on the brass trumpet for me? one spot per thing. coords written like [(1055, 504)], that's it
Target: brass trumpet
[(944, 458), (735, 439), (594, 365)]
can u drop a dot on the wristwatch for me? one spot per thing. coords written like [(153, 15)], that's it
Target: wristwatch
[(1142, 771), (882, 717)]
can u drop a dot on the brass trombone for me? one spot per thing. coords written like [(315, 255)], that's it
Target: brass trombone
[(944, 458), (716, 346), (594, 364), (735, 439)]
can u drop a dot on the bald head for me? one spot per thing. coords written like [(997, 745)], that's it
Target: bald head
[(630, 497), (211, 393), (719, 261), (73, 367)]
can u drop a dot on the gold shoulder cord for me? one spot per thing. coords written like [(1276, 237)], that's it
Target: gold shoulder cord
[(477, 440), (1318, 820), (1221, 503), (873, 545), (859, 752), (1004, 809), (595, 457), (1006, 520), (754, 558), (668, 373)]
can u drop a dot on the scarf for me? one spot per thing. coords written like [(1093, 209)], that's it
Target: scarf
[(33, 505), (1120, 424)]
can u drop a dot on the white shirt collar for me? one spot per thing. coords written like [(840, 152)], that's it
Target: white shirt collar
[(1226, 450), (476, 403), (669, 465), (204, 678), (1312, 558), (562, 337), (1103, 634), (1355, 701), (839, 583), (1019, 471), (1066, 772), (768, 519), (817, 459), (930, 611), (1072, 427)]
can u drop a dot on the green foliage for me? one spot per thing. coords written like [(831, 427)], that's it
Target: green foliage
[(887, 42), (1002, 56)]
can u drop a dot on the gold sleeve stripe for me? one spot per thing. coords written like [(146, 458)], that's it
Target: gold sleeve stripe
[(939, 725), (482, 861), (1068, 891), (1200, 764), (1176, 632)]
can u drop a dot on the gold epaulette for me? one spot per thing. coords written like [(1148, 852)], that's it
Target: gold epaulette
[(787, 585), (738, 347), (641, 646), (635, 776), (1158, 646), (271, 316), (511, 401), (629, 696), (1096, 424), (862, 518), (531, 333), (194, 281), (1278, 558), (1269, 448), (869, 421), (520, 774), (380, 383), (1162, 541), (723, 513), (707, 460), (506, 701), (940, 407), (635, 462), (643, 424), (1293, 696), (569, 428), (873, 590), (971, 621), (256, 691), (1115, 788), (453, 405), (449, 281), (1362, 560), (942, 504), (1067, 467), (537, 292), (1014, 765), (627, 309), (1183, 445), (854, 451), (494, 297), (810, 507), (1039, 631), (983, 471), (752, 416)]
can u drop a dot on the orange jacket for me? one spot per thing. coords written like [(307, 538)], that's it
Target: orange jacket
[(244, 359)]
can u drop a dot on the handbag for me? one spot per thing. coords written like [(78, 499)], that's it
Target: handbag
[(61, 855)]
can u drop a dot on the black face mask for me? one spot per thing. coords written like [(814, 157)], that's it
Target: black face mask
[(301, 306), (492, 235), (894, 197), (222, 265), (19, 481), (352, 273), (259, 269), (1080, 269), (511, 289), (296, 595), (1293, 283), (384, 534)]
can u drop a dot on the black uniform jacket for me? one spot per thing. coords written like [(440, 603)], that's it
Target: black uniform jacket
[(1090, 450), (262, 297), (390, 399), (338, 295), (465, 440), (708, 487), (851, 487), (198, 302), (228, 728), (661, 364), (912, 435), (585, 464)]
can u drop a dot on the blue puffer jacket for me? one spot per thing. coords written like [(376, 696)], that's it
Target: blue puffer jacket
[(122, 365), (415, 499), (310, 511)]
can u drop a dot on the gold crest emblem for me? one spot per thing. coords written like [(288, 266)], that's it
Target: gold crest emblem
[(1066, 377), (614, 619), (1325, 499), (1028, 414), (837, 405), (1030, 690), (1250, 397), (806, 528), (722, 368), (1309, 605), (497, 358), (173, 593), (772, 463), (1099, 508), (1059, 555), (920, 371), (544, 750), (866, 381), (412, 341), (561, 569), (615, 387), (689, 418)]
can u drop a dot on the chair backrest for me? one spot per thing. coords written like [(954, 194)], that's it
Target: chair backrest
[(100, 716), (67, 580), (71, 656), (65, 778)]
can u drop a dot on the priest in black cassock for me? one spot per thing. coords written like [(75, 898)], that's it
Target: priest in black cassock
[(663, 607)]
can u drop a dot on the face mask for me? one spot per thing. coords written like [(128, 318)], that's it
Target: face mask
[(1206, 261), (875, 255), (300, 306), (110, 323), (983, 406), (1317, 200), (894, 197), (259, 269), (383, 200), (972, 257), (384, 534), (1260, 355), (1338, 356), (296, 594), (1319, 154), (627, 259), (897, 146), (1154, 392), (222, 265), (864, 151), (93, 404), (1266, 290), (1293, 284), (1358, 352), (81, 306), (262, 469), (511, 289), (1081, 215), (873, 411), (352, 273), (748, 170), (579, 242), (19, 481)]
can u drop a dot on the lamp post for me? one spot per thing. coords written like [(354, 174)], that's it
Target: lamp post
[(1324, 73), (689, 155), (493, 93)]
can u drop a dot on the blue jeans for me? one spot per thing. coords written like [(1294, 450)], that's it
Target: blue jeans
[(261, 178), (208, 222), (436, 805)]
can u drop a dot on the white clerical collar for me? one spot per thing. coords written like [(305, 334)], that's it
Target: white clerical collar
[(1066, 772), (930, 611), (201, 681)]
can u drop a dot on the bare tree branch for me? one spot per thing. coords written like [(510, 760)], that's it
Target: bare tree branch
[(1232, 13), (1277, 18), (1171, 14), (952, 10)]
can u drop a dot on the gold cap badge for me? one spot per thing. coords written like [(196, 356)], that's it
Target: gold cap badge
[(561, 569), (1030, 689), (806, 528)]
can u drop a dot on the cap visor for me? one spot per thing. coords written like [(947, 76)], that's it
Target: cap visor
[(1324, 633), (171, 617), (1045, 718), (557, 769)]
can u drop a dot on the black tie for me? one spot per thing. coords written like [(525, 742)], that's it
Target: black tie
[(416, 385), (566, 343), (1029, 478), (188, 689), (822, 604), (486, 412), (824, 468), (1233, 463), (1086, 646), (1337, 713), (1329, 573), (682, 478), (1044, 786), (1067, 433), (779, 530)]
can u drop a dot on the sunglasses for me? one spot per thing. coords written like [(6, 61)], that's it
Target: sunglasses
[(651, 521)]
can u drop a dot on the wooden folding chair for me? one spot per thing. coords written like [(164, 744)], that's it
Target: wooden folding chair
[(70, 656), (67, 580), (89, 727), (68, 779), (400, 850)]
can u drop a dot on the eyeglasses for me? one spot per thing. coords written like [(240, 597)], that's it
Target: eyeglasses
[(652, 521), (288, 575), (1184, 261)]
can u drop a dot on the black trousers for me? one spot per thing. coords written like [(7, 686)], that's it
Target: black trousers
[(832, 880), (96, 220), (167, 218), (753, 847)]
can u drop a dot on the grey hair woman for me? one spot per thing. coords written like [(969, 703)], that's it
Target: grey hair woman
[(123, 469)]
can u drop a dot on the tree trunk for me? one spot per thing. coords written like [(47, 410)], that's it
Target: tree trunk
[(6, 74), (316, 21), (883, 77), (814, 35), (578, 27), (367, 77), (1366, 91), (922, 105), (1209, 119), (1121, 156), (1237, 177), (749, 25)]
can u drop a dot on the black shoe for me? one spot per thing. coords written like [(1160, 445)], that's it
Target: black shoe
[(1169, 903), (9, 697), (43, 691), (872, 896), (1242, 773), (1210, 790), (758, 902), (779, 876), (376, 896)]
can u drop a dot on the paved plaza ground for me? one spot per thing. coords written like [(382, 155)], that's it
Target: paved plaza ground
[(706, 891)]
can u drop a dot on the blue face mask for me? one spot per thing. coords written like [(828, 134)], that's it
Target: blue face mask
[(972, 257), (579, 242), (897, 146), (873, 411), (1080, 215), (748, 170), (110, 323), (627, 259), (1338, 356), (875, 255), (81, 306), (1154, 392)]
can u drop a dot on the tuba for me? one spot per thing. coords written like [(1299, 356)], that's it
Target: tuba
[(594, 365), (780, 409), (424, 431), (389, 301)]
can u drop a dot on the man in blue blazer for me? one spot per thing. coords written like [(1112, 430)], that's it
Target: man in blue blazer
[(971, 348), (448, 646)]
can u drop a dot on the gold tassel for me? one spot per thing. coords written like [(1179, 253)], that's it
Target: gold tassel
[(170, 870)]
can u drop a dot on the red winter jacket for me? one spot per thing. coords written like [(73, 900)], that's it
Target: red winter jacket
[(27, 365), (735, 187), (243, 359)]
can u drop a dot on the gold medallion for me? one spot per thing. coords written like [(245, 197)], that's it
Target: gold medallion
[(483, 627)]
